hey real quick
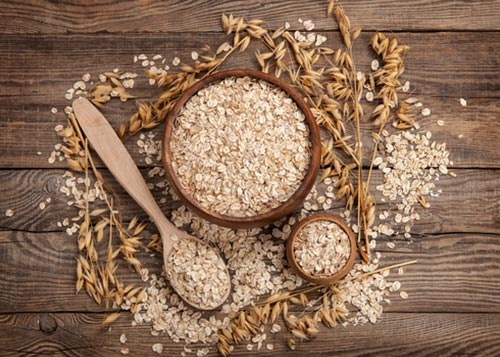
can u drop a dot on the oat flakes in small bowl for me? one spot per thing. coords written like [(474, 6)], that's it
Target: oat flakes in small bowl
[(321, 249), (241, 148)]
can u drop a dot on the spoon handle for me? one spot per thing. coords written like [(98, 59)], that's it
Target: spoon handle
[(117, 159)]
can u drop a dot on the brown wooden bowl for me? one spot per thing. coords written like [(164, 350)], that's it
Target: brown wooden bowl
[(295, 265), (270, 216)]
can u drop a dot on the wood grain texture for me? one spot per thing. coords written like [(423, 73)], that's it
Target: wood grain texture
[(457, 272), (397, 334), (34, 77), (471, 133), (31, 16), (439, 63), (23, 190)]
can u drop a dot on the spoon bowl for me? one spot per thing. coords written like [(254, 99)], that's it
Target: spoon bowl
[(115, 156)]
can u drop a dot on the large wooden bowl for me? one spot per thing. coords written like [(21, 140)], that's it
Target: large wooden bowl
[(259, 220)]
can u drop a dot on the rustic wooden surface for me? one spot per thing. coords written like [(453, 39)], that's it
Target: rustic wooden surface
[(454, 304)]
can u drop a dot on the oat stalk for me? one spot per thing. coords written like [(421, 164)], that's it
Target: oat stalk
[(248, 322)]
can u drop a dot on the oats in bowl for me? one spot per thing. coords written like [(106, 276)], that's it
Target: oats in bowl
[(322, 248), (240, 147)]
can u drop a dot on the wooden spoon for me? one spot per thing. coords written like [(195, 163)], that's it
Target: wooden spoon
[(115, 156)]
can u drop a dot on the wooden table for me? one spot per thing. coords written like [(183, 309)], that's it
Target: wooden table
[(454, 304)]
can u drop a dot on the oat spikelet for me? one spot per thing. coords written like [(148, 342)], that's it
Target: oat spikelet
[(329, 9), (344, 26), (111, 318)]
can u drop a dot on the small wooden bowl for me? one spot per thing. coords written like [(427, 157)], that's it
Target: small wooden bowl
[(268, 217), (295, 265)]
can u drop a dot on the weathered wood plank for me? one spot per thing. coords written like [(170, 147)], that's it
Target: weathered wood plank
[(23, 190), (471, 133), (34, 78), (457, 64), (29, 16), (81, 334), (457, 272)]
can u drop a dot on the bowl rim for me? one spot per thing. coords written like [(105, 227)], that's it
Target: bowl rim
[(283, 210), (290, 253)]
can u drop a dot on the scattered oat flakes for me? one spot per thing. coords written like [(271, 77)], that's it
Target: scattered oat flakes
[(128, 83), (9, 213), (53, 110), (124, 351), (412, 164), (69, 94), (158, 348), (202, 352), (308, 25), (79, 85), (187, 349), (275, 328), (426, 112), (123, 338), (42, 205), (406, 87), (440, 122), (270, 346), (194, 55), (375, 65), (39, 153), (460, 136), (443, 169), (403, 294), (463, 102), (176, 61), (86, 77), (391, 245), (320, 39), (369, 96)]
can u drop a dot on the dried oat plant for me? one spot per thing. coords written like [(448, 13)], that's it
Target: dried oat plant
[(96, 266), (317, 304)]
